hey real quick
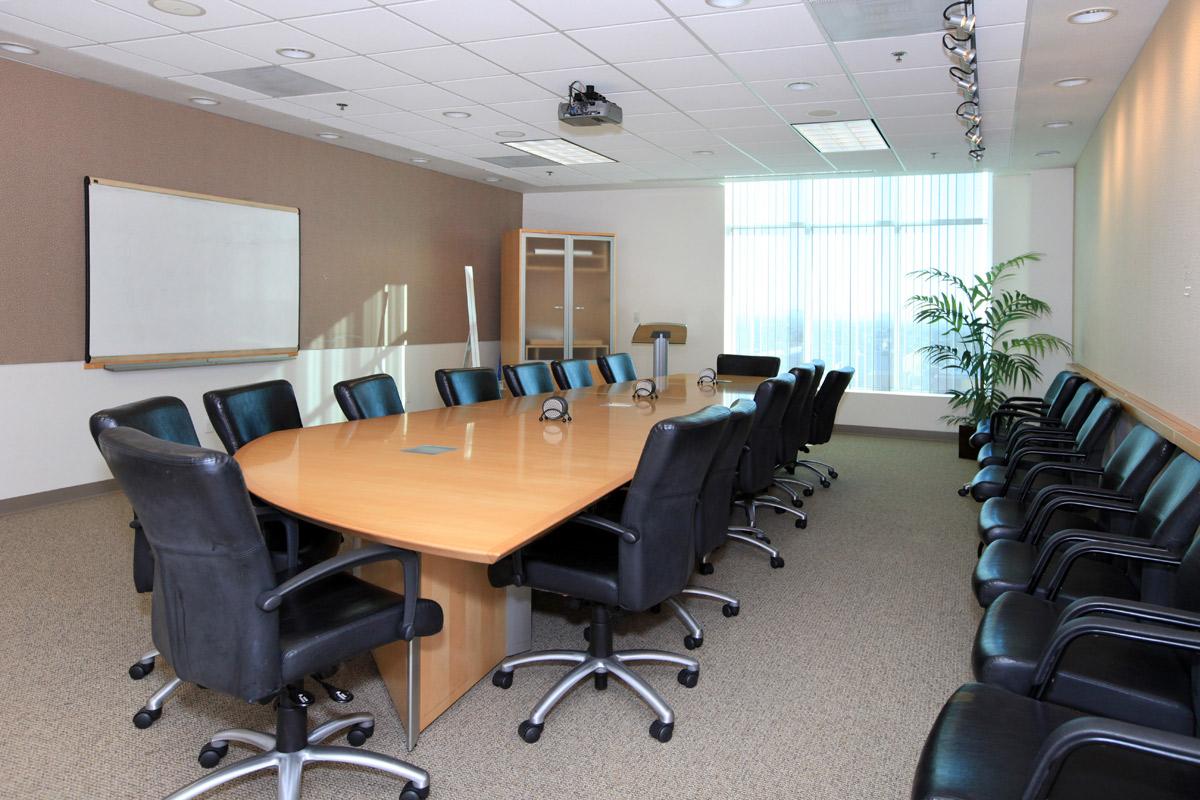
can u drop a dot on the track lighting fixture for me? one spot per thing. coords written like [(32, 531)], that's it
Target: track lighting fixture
[(966, 82), (968, 111), (959, 43), (974, 136), (962, 49)]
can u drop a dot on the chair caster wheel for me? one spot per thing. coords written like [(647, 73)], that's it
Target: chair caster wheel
[(411, 792), (587, 633), (808, 492), (833, 474), (141, 669), (359, 734), (798, 503), (502, 679), (692, 642), (600, 681), (730, 610), (146, 717), (825, 484), (963, 491), (801, 523), (688, 677), (776, 562), (211, 754), (656, 608), (705, 569), (529, 732), (778, 510), (662, 730)]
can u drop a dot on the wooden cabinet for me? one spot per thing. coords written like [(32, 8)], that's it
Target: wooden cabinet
[(556, 295)]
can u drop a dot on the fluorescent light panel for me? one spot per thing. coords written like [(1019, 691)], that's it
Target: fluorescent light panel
[(560, 151), (844, 136)]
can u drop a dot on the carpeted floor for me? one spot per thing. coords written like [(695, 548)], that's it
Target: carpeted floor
[(824, 686)]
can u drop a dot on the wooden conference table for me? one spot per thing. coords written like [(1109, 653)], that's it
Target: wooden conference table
[(506, 479)]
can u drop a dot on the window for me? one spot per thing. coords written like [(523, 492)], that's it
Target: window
[(819, 269)]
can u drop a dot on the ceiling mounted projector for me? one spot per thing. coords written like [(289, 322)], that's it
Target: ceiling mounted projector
[(585, 106)]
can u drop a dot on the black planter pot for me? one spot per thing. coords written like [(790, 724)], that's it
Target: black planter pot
[(965, 448)]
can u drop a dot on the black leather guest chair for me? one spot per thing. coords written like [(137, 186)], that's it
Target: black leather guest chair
[(1126, 475), (224, 621), (1042, 428), (467, 385), (1086, 447), (825, 408), (574, 373), (795, 430), (1073, 563), (753, 366), (991, 744), (532, 377), (641, 560), (372, 396), (756, 467), (1050, 406), (616, 368)]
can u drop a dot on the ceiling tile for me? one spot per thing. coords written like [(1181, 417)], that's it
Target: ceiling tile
[(829, 87), (672, 73), (1001, 42), (373, 30), (217, 14), (689, 8), (209, 85), (261, 41), (575, 14), (436, 64), (679, 139), (612, 172), (697, 98), (1000, 12), (873, 160), (794, 149), (760, 28), (641, 41), (480, 149), (327, 104), (401, 122), (775, 133), (418, 97), (472, 20), (284, 9), (349, 124), (444, 138), (933, 124), (498, 89), (125, 59), (533, 112), (606, 79), (917, 105), (640, 102), (356, 72), (657, 123), (932, 80), (480, 115), (785, 63), (190, 53), (86, 18), (871, 55), (543, 51), (751, 117), (802, 112), (24, 29)]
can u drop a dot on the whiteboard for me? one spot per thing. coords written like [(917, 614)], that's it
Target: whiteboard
[(172, 273)]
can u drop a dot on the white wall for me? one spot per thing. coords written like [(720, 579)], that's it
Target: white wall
[(670, 261), (51, 447)]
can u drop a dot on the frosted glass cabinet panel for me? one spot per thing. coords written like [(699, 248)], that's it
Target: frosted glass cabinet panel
[(556, 295)]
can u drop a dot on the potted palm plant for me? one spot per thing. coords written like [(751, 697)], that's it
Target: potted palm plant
[(981, 340)]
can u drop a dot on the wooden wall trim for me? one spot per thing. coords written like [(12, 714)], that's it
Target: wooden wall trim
[(1182, 433)]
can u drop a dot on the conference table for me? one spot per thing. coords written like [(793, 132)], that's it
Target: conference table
[(464, 487)]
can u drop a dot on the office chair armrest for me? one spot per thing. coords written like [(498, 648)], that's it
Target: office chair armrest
[(1134, 552), (1021, 456), (291, 528), (1053, 466), (1042, 438), (1033, 401), (1065, 498), (271, 599), (1034, 423), (1066, 634), (1083, 732), (1132, 609), (597, 521)]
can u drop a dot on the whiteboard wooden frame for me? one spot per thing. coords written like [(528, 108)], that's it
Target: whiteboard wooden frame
[(174, 359)]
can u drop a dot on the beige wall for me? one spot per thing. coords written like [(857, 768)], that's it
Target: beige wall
[(367, 224), (1137, 234)]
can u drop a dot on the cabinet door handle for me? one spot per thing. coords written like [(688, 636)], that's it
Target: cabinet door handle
[(558, 308)]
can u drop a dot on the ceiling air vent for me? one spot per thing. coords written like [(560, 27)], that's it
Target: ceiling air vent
[(274, 81), (850, 20)]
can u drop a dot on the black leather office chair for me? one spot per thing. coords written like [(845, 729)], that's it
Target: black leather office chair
[(795, 429), (372, 396), (574, 373), (990, 744), (1072, 563), (1085, 447), (224, 621), (1046, 428), (1126, 475), (616, 368), (825, 408), (756, 468), (643, 560), (1050, 406), (532, 377), (467, 385), (754, 366)]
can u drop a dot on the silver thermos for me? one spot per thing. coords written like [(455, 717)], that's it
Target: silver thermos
[(661, 340)]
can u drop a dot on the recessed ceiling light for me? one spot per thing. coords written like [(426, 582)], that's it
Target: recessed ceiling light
[(19, 49), (180, 8), (328, 135), (727, 3), (294, 52), (1063, 124), (456, 114), (510, 134), (801, 86), (823, 112), (1045, 153), (204, 101), (1067, 83), (492, 179), (1089, 16), (560, 151), (849, 136), (419, 160), (702, 152)]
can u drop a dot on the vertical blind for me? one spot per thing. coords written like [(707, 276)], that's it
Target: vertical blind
[(820, 269)]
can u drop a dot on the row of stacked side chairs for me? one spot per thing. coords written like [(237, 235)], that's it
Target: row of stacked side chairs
[(1087, 658), (270, 605)]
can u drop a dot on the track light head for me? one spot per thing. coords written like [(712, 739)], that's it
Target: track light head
[(963, 24), (961, 49), (968, 111), (974, 136)]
